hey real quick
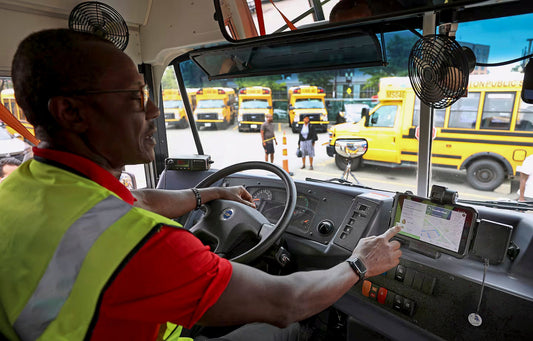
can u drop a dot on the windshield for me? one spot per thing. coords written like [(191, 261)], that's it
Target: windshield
[(309, 103), (210, 103), (172, 104), (254, 104), (4, 134), (491, 120)]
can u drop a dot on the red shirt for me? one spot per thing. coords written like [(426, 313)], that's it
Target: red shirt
[(173, 277)]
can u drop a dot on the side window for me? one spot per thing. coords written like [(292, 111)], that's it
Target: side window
[(438, 115), (524, 121), (497, 110), (383, 117), (463, 113)]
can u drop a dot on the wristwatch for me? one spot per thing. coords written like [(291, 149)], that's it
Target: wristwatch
[(358, 266)]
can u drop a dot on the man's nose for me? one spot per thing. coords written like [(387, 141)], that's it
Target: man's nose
[(152, 111)]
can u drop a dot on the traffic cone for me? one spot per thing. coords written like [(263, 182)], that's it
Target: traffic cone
[(285, 155)]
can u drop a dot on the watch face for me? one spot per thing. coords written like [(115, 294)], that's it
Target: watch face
[(358, 266), (361, 266)]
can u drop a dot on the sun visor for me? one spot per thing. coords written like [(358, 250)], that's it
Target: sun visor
[(316, 53)]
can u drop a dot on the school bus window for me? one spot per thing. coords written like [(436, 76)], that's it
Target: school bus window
[(254, 104), (463, 113), (210, 103), (309, 103), (384, 116), (172, 104), (12, 107), (438, 115), (497, 110), (524, 121)]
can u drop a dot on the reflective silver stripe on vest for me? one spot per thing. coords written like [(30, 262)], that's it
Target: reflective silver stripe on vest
[(56, 284)]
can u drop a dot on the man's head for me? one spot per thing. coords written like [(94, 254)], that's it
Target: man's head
[(269, 117), (83, 95), (7, 166)]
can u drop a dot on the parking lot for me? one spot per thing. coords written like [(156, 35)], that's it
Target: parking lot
[(230, 146)]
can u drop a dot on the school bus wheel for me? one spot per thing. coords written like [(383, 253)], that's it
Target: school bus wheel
[(485, 174), (341, 162)]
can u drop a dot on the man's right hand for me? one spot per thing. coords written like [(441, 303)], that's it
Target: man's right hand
[(378, 253)]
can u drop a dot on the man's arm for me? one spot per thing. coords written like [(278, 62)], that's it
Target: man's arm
[(262, 135), (176, 203), (253, 295)]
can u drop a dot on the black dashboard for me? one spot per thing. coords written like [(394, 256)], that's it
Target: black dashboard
[(428, 296)]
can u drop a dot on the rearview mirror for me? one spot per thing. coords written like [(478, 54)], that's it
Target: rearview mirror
[(241, 19), (335, 49)]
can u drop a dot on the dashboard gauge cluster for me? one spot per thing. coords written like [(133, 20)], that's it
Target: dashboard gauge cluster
[(271, 202)]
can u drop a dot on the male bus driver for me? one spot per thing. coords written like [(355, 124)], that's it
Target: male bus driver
[(87, 261)]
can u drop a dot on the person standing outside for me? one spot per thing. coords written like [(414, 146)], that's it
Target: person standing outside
[(306, 142), (526, 180), (268, 137)]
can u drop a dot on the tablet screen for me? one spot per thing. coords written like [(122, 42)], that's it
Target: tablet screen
[(445, 227)]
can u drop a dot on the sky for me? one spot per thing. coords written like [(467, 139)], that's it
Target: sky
[(507, 37)]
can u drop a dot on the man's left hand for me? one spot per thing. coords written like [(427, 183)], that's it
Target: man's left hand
[(237, 193)]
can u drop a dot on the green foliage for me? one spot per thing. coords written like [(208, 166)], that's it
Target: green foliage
[(169, 79), (323, 79), (398, 48), (268, 81)]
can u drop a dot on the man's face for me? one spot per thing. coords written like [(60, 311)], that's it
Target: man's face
[(270, 118), (121, 130)]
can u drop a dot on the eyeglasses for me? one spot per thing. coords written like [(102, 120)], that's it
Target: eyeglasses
[(144, 94)]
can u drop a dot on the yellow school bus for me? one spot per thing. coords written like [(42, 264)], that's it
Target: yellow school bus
[(175, 115), (254, 104), (215, 107), (307, 100), (488, 132), (8, 100)]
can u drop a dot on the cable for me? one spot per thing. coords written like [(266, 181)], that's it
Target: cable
[(506, 62)]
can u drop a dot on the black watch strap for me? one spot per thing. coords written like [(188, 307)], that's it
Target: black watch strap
[(358, 266)]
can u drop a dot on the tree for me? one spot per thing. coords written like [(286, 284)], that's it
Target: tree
[(398, 48), (268, 81), (323, 79), (169, 79)]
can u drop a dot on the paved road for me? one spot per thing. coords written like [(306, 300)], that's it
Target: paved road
[(229, 146)]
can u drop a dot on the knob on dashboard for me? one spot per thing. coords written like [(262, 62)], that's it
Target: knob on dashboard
[(325, 227)]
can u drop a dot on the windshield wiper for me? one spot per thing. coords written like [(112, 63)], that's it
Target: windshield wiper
[(510, 205), (338, 181)]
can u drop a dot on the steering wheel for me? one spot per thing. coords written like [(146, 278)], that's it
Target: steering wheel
[(227, 221)]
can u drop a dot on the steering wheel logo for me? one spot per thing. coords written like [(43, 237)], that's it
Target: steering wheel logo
[(227, 213)]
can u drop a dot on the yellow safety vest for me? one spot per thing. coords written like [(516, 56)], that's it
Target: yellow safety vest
[(62, 239)]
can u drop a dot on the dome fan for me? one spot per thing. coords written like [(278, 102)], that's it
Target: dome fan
[(438, 70), (100, 19)]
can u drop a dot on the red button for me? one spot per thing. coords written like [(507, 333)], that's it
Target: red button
[(382, 295)]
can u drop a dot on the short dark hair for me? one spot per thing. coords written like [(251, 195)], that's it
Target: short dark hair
[(50, 63), (8, 161)]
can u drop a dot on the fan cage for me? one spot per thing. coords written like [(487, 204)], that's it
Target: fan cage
[(102, 20), (438, 70)]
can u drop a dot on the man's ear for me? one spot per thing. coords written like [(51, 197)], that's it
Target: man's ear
[(66, 111)]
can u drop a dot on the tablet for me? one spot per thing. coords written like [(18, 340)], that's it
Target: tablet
[(445, 228)]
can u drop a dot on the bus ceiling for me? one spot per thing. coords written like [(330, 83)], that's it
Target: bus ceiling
[(240, 20)]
